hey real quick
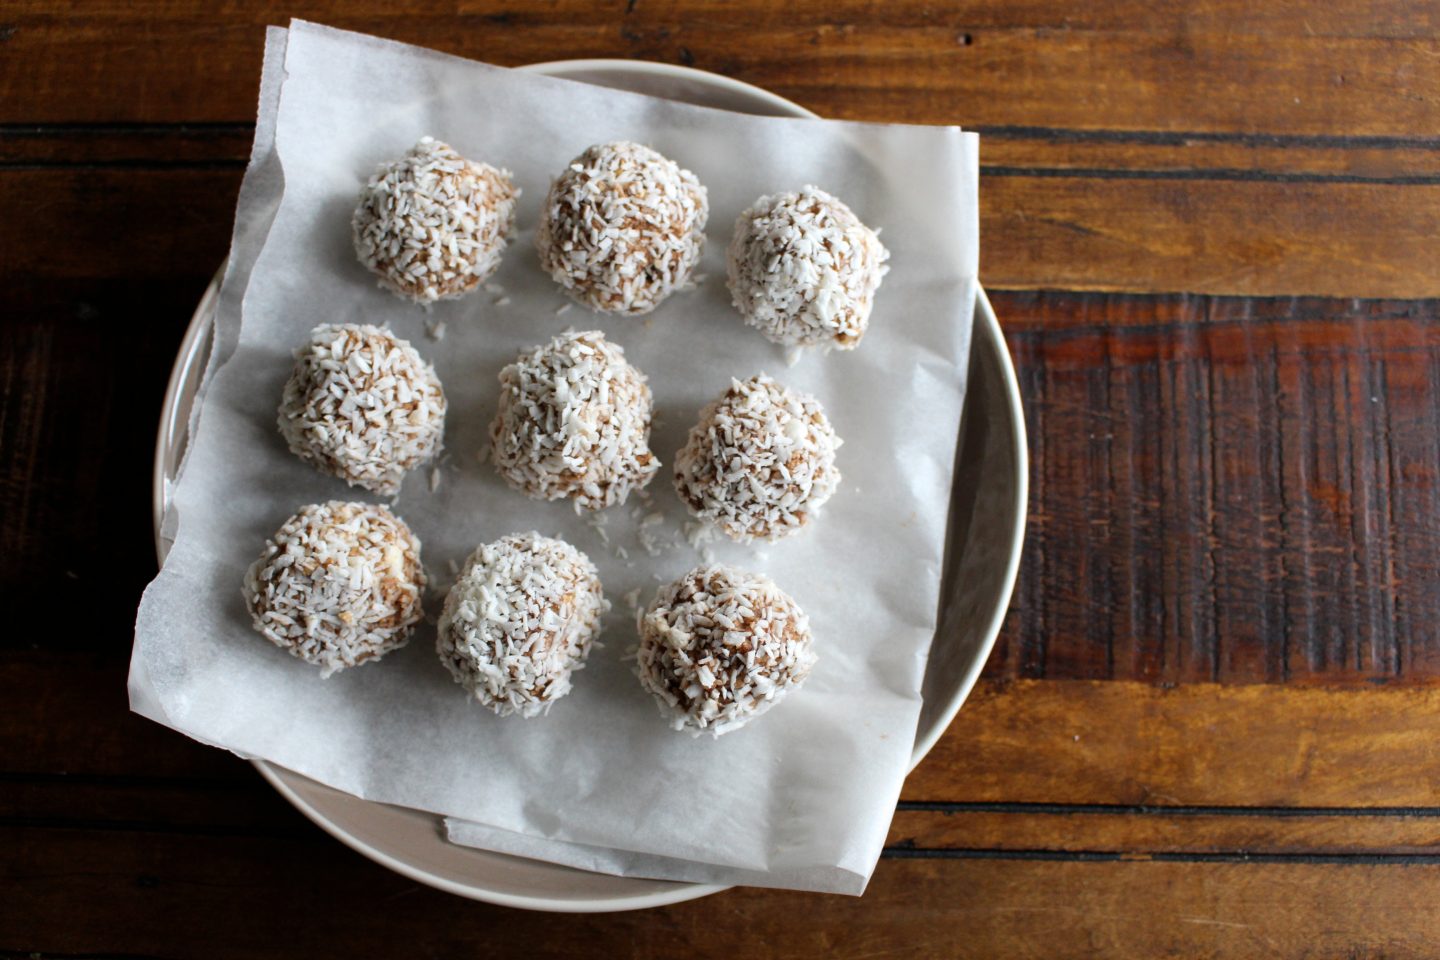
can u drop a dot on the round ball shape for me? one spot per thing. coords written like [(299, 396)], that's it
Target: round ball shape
[(433, 225), (760, 463), (338, 584), (574, 421), (362, 405), (719, 647), (622, 228), (803, 270), (519, 620)]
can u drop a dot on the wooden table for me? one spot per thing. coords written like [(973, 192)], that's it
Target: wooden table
[(1212, 724)]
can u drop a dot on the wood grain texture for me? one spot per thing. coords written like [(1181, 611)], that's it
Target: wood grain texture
[(1172, 538), (1228, 490), (1234, 479), (156, 895), (1065, 231), (1148, 219), (247, 807), (1223, 65), (1149, 832), (1080, 743), (1175, 534), (1106, 742)]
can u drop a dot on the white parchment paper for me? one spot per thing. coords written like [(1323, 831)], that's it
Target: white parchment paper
[(803, 797)]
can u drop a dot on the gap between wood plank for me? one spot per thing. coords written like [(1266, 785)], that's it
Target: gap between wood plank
[(1104, 856), (207, 784), (1071, 173), (305, 832), (1057, 134), (1162, 810)]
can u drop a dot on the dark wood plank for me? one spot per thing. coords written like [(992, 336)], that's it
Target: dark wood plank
[(1209, 235), (1168, 540), (1223, 65), (1171, 539), (249, 808), (1044, 228), (70, 892), (87, 338), (1249, 745), (1061, 227), (1197, 156), (1083, 743), (1140, 833), (159, 145), (76, 722), (66, 223), (1015, 150), (1225, 488), (1228, 490), (83, 367)]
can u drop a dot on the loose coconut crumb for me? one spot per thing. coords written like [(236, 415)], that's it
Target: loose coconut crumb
[(699, 534), (362, 405), (803, 269), (760, 462), (597, 523), (646, 534), (520, 619), (433, 225), (720, 646), (574, 422), (623, 227), (337, 585)]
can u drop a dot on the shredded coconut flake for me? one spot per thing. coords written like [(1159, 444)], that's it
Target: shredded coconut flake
[(574, 422), (338, 584), (433, 225), (623, 228), (362, 405), (803, 269), (760, 462), (520, 619), (719, 647)]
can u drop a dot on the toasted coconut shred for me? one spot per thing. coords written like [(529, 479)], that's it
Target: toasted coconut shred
[(520, 619), (760, 463), (623, 227), (338, 584), (719, 647), (433, 225), (803, 269), (574, 422), (362, 405)]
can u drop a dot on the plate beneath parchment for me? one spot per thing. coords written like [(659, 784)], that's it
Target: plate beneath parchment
[(983, 542)]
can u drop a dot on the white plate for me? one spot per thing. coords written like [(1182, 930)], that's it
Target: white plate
[(987, 527)]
